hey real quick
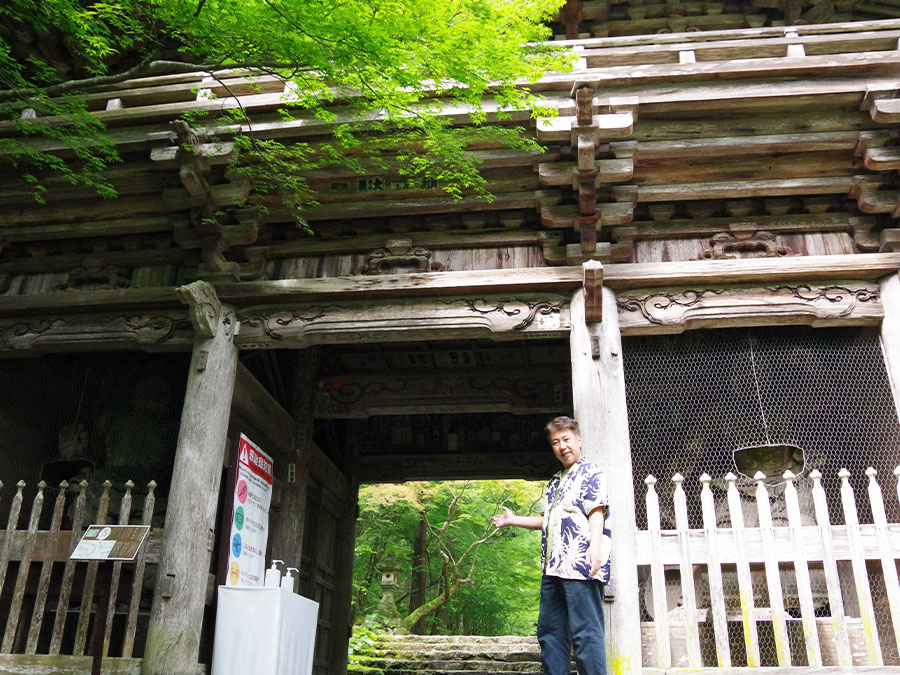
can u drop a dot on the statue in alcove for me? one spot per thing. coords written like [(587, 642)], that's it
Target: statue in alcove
[(139, 438)]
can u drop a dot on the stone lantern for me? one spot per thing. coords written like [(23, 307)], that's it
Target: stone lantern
[(388, 605)]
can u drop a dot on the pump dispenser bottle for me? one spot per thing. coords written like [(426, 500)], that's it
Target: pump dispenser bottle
[(289, 582), (273, 574)]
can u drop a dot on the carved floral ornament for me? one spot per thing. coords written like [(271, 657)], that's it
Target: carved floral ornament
[(669, 307), (532, 310), (156, 329), (95, 275), (263, 326)]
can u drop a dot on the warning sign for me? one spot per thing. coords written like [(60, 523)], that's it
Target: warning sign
[(250, 516)]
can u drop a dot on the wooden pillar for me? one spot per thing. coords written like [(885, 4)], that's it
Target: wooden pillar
[(288, 527), (598, 390), (173, 636), (343, 583), (890, 333)]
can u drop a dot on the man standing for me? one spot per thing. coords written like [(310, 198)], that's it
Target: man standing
[(575, 547)]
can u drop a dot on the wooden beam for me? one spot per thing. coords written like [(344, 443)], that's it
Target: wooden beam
[(736, 189), (254, 403), (533, 281), (46, 664), (452, 239), (740, 145), (593, 291), (499, 317), (751, 270), (58, 549), (760, 47), (770, 32), (536, 279), (421, 205), (839, 64), (513, 390), (675, 310), (485, 465), (886, 110), (647, 230)]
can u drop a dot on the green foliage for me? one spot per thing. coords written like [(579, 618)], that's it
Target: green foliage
[(500, 579), (365, 60)]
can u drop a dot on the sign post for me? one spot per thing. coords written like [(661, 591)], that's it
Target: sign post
[(106, 544)]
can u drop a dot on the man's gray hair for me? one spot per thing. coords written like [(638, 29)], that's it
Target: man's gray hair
[(561, 423)]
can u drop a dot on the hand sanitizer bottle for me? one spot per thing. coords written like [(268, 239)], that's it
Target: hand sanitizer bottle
[(288, 583), (273, 574)]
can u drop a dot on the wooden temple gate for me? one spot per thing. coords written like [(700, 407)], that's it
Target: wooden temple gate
[(741, 178)]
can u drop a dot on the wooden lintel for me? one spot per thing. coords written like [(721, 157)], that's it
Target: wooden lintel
[(483, 465), (751, 270), (487, 389), (593, 290), (429, 284), (533, 281)]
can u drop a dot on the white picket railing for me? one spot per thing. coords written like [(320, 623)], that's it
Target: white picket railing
[(792, 553)]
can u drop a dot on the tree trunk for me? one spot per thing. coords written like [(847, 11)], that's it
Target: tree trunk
[(418, 583)]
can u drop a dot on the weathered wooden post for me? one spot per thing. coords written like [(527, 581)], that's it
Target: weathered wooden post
[(342, 619), (288, 525), (890, 332), (598, 390), (173, 636)]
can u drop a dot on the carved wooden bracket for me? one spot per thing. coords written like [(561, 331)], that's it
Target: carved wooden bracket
[(212, 231), (95, 274), (205, 306), (399, 254), (593, 291), (725, 244)]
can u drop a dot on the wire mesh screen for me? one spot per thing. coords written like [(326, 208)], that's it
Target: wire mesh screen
[(770, 400)]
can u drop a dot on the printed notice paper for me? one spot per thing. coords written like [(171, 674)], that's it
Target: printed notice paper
[(250, 516)]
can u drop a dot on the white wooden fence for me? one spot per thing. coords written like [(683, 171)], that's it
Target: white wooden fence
[(718, 567)]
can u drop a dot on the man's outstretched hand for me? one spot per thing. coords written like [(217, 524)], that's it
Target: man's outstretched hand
[(503, 519)]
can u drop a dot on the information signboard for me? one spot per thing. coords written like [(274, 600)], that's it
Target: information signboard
[(249, 516), (110, 542)]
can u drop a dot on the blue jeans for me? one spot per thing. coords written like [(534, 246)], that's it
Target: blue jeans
[(571, 615)]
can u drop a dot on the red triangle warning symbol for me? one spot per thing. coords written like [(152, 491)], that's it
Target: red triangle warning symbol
[(244, 458)]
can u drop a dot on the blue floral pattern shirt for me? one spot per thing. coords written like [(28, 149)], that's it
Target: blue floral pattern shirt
[(570, 497)]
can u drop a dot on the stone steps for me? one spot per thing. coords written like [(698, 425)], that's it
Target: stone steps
[(455, 655), (432, 663), (449, 655)]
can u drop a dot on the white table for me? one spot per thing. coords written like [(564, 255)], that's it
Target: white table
[(264, 631)]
